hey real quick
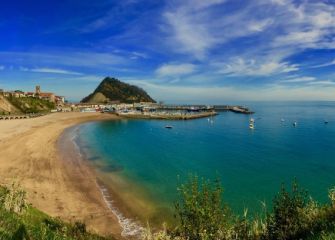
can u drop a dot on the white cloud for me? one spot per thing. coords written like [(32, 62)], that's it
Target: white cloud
[(241, 67), (307, 24), (137, 55), (259, 26), (298, 38), (197, 30), (279, 2), (298, 79), (54, 70), (189, 36), (66, 57), (323, 18), (187, 94), (328, 82), (200, 4), (325, 64), (49, 70), (196, 27), (175, 69)]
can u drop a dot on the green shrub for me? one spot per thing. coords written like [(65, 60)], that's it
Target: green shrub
[(200, 210), (286, 220), (202, 215)]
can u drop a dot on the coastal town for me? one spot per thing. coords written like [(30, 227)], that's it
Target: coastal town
[(49, 96), (145, 110)]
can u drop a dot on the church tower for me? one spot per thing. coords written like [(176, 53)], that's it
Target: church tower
[(38, 90)]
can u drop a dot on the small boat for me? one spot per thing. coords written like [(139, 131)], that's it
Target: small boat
[(252, 123), (282, 120), (295, 124), (326, 122), (168, 126)]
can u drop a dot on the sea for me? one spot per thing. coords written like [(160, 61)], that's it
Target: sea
[(144, 163)]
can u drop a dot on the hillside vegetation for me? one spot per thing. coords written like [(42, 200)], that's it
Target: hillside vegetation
[(19, 221), (112, 89), (30, 104), (7, 107)]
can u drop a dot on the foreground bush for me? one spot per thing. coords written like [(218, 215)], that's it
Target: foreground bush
[(202, 215), (200, 210)]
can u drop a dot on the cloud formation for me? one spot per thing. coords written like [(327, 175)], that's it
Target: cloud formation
[(175, 69), (225, 44), (50, 70)]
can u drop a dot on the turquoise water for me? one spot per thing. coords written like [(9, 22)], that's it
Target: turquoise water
[(252, 164)]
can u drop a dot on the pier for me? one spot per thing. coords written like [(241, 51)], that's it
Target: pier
[(239, 109), (218, 108), (167, 115)]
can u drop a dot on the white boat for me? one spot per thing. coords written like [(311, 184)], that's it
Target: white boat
[(326, 121), (252, 123), (168, 126), (282, 120), (295, 124)]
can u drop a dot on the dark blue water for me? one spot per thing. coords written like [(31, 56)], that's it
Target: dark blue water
[(252, 164)]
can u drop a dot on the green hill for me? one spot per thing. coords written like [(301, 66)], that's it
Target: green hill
[(112, 89)]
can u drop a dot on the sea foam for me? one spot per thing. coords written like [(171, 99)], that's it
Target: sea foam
[(130, 227)]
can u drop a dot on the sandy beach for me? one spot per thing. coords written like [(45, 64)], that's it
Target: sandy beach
[(55, 183)]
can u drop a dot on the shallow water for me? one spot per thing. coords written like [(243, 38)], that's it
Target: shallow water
[(252, 164)]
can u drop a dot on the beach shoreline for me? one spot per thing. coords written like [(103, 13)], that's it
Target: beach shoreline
[(71, 150), (59, 184)]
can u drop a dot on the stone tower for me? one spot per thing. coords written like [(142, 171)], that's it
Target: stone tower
[(38, 90)]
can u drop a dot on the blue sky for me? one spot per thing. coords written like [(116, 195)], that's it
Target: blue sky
[(194, 51)]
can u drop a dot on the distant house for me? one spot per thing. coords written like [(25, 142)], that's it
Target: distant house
[(18, 94), (60, 100), (45, 95), (48, 96), (30, 94)]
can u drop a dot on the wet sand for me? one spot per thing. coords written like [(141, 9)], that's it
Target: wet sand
[(58, 184)]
